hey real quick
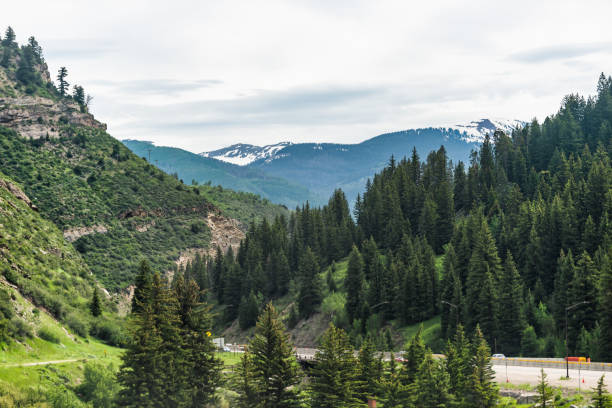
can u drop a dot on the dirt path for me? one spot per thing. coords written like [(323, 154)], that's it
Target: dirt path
[(37, 363)]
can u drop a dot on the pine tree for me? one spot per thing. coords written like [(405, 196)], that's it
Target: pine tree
[(202, 370), (529, 342), (334, 378), (369, 376), (9, 38), (354, 284), (243, 382), (151, 374), (142, 287), (545, 393), (392, 390), (248, 311), (310, 295), (62, 83), (413, 357), (511, 307), (432, 385), (605, 307), (459, 364), (481, 293), (331, 284), (275, 370), (483, 392), (95, 307), (78, 94), (601, 398)]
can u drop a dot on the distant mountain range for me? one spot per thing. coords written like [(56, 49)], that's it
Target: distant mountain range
[(244, 154), (291, 173)]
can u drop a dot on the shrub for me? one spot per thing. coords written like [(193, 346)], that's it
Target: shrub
[(47, 334), (77, 324), (20, 329), (110, 333), (99, 385)]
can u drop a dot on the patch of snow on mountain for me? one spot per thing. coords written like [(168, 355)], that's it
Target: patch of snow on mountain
[(242, 154), (476, 130)]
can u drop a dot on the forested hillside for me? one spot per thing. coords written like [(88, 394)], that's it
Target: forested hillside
[(522, 232), (106, 199)]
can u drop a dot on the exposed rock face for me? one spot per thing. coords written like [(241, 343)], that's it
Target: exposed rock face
[(37, 117), (73, 234), (225, 233), (16, 191)]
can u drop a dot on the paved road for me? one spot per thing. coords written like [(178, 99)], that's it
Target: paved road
[(531, 375)]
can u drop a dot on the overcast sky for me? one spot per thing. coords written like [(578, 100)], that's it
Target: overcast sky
[(205, 74)]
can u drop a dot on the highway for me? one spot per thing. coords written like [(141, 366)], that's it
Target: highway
[(530, 375)]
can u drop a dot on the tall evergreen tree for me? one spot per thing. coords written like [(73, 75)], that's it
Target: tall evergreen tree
[(605, 307), (334, 378), (511, 308), (61, 81), (433, 385), (142, 287), (310, 295), (275, 370), (95, 307), (202, 370), (483, 392), (413, 357), (369, 376), (151, 374), (354, 284)]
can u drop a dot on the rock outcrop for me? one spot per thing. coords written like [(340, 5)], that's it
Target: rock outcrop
[(73, 234), (16, 191), (37, 117)]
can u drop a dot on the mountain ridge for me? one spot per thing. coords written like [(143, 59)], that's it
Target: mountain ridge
[(244, 154)]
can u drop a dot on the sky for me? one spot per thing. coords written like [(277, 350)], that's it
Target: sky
[(203, 74)]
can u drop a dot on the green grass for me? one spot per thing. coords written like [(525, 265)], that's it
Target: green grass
[(431, 333), (229, 358)]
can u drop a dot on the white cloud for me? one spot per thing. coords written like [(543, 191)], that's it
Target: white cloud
[(204, 74)]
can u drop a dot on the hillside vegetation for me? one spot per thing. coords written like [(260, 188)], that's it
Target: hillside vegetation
[(113, 205)]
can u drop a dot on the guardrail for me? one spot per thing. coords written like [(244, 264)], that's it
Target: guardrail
[(551, 363)]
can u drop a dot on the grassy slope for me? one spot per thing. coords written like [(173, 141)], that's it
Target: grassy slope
[(35, 258), (32, 382)]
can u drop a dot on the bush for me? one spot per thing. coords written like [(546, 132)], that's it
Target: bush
[(99, 385), (62, 397), (47, 334), (77, 324), (20, 329), (110, 333)]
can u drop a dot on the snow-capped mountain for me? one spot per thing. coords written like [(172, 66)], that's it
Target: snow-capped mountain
[(243, 154), (476, 130)]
